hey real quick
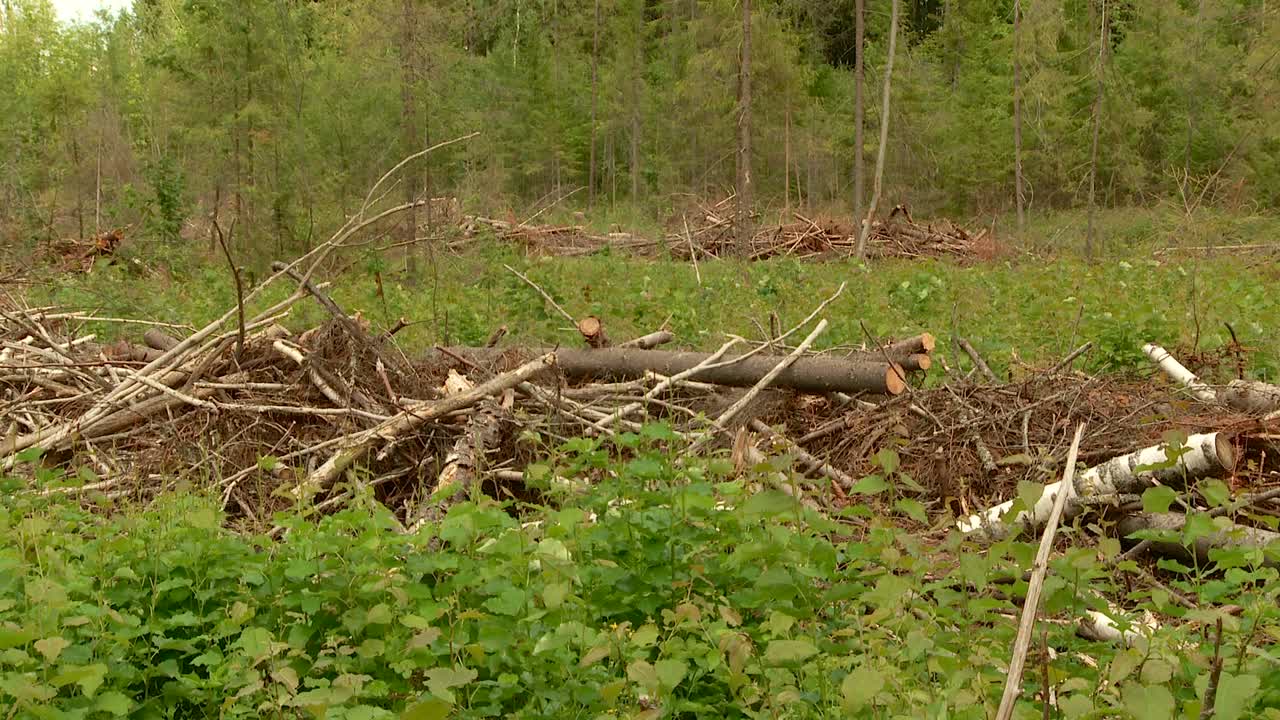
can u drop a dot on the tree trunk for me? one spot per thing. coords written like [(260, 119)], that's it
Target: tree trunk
[(810, 373), (409, 131), (1089, 239), (636, 69), (786, 160), (595, 101), (1017, 115), (884, 135), (743, 219), (859, 112)]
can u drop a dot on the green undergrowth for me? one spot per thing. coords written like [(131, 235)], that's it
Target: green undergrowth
[(1017, 311), (664, 588)]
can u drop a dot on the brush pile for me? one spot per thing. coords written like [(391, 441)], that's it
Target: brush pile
[(710, 234), (273, 417)]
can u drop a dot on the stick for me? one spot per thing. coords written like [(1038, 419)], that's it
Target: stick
[(727, 416), (693, 253), (813, 463), (358, 445), (1027, 623), (235, 275), (650, 341), (543, 293), (978, 362), (1066, 361), (1211, 692)]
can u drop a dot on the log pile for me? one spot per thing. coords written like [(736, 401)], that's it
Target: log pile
[(710, 234)]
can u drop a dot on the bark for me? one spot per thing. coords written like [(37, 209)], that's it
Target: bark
[(160, 340), (409, 130), (859, 120), (1207, 455), (808, 374), (1251, 396), (1089, 239), (1179, 374), (1227, 536), (650, 341), (1017, 114), (811, 374), (636, 67), (743, 220), (884, 135), (595, 102), (414, 416)]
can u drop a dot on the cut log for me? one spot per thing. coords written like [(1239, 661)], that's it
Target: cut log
[(650, 341), (921, 344), (916, 362), (1251, 396), (806, 374), (810, 374), (592, 330), (1228, 535), (1207, 455), (160, 340), (1178, 373)]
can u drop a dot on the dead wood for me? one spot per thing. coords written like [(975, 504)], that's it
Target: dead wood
[(1251, 396), (650, 341), (1226, 536), (592, 330), (806, 374)]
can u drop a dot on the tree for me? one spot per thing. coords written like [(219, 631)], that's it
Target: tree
[(1017, 116), (884, 134), (743, 219), (1099, 70), (859, 120)]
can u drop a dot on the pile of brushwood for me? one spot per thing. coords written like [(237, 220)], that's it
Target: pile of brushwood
[(273, 416), (710, 234)]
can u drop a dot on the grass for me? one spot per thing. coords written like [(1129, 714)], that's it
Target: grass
[(1027, 309), (666, 589)]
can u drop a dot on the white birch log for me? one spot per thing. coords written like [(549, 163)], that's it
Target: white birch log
[(1207, 454), (1251, 396), (1174, 369), (1226, 535)]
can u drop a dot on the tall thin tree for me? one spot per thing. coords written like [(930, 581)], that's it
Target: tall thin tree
[(595, 102), (1089, 239), (859, 113), (743, 220), (409, 127), (884, 134), (1017, 115)]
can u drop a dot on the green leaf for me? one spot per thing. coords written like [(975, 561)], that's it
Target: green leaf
[(88, 677), (913, 509), (782, 652), (1198, 525), (1236, 695), (643, 674), (1215, 492), (1158, 499), (860, 687), (379, 614), (52, 647), (870, 485), (888, 460), (595, 655), (768, 503), (1030, 493), (508, 602), (440, 681), (114, 702), (553, 595), (645, 635), (429, 708), (1149, 702), (670, 672)]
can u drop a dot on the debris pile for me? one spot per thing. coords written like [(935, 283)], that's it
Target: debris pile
[(711, 234)]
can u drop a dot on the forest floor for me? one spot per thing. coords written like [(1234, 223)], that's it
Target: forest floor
[(665, 588)]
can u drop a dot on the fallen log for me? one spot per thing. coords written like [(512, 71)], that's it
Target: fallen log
[(650, 341), (807, 374), (1227, 535), (1206, 455), (1251, 396), (1175, 370)]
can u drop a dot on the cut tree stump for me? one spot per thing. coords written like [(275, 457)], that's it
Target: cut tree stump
[(592, 329)]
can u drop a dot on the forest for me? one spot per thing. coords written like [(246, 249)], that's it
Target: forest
[(429, 359), (280, 114)]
